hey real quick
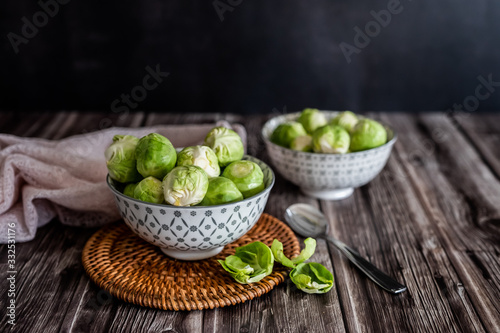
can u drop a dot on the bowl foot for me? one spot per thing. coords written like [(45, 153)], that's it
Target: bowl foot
[(192, 255), (338, 194)]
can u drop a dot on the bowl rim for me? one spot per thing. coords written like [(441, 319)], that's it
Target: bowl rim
[(296, 114), (267, 189)]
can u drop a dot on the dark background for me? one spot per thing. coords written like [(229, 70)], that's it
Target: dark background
[(264, 55)]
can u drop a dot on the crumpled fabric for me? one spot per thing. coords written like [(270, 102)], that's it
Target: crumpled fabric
[(66, 179)]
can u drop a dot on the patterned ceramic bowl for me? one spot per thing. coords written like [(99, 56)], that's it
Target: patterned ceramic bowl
[(326, 176), (193, 233)]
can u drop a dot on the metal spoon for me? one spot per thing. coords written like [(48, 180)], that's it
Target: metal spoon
[(308, 221)]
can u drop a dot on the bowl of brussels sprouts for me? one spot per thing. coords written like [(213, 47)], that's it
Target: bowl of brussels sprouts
[(189, 202), (327, 153)]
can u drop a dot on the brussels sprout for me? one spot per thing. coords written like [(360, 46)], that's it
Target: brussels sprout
[(149, 189), (367, 134), (201, 156), (251, 263), (302, 143), (155, 155), (312, 119), (306, 253), (185, 185), (246, 175), (221, 190), (346, 119), (312, 278), (120, 159), (331, 139), (226, 144), (284, 134), (129, 190)]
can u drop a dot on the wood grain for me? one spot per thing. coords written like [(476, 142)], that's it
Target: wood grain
[(430, 220), (484, 134), (458, 192)]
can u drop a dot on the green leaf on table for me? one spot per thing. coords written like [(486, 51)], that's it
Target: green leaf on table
[(306, 253), (279, 256), (312, 278), (250, 263)]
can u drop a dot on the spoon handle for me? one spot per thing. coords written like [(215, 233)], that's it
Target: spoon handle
[(376, 275)]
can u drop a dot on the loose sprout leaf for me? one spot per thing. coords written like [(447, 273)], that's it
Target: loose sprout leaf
[(251, 263), (312, 278), (307, 252), (279, 256)]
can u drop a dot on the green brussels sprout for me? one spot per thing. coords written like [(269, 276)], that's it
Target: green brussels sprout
[(312, 278), (129, 190), (250, 263), (120, 159), (226, 144), (185, 185), (367, 134), (246, 175), (284, 134), (201, 156), (302, 143), (312, 119), (155, 155), (346, 119), (149, 189), (331, 139), (221, 190)]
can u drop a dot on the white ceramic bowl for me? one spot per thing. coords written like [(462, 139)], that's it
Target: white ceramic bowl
[(193, 233), (326, 176)]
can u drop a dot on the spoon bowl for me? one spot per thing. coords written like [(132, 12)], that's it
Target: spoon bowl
[(308, 221)]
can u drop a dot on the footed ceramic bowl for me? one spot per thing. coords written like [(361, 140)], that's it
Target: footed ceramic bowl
[(193, 233), (326, 176)]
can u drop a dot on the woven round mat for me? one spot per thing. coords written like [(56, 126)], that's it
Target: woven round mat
[(137, 272)]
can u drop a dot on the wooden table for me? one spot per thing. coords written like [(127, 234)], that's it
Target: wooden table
[(431, 219)]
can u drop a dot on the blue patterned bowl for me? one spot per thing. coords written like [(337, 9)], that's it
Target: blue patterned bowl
[(193, 233), (326, 176)]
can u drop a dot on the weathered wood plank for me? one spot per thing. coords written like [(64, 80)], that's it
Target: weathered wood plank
[(459, 192), (45, 282), (484, 131), (150, 320), (187, 118), (29, 124), (362, 224)]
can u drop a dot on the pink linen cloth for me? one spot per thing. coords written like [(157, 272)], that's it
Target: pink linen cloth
[(43, 179)]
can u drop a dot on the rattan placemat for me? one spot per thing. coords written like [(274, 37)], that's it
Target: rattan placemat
[(137, 272)]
